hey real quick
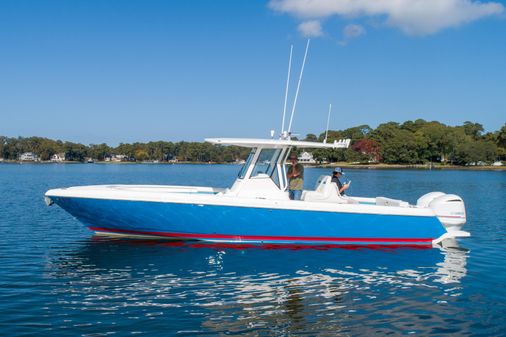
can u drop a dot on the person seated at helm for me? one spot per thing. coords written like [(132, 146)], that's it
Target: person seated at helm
[(336, 174)]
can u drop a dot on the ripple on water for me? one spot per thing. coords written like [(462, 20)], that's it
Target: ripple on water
[(58, 279)]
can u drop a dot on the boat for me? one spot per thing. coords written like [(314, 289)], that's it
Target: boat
[(257, 208)]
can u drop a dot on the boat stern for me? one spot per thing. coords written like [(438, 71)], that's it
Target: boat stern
[(449, 208), (450, 211)]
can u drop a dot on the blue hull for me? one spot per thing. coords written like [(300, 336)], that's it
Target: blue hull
[(244, 224)]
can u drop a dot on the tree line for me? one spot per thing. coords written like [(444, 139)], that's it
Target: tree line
[(417, 142), (412, 142), (44, 148)]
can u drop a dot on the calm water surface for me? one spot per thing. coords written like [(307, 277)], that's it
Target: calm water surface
[(57, 279)]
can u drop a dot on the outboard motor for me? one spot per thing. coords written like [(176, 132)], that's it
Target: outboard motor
[(450, 210), (425, 199)]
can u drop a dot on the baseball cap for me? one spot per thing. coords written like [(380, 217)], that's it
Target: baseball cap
[(338, 170)]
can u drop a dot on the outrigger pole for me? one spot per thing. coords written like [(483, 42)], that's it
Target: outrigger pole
[(328, 120), (298, 87), (286, 91)]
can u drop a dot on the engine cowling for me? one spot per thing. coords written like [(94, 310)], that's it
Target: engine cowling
[(450, 210), (425, 199)]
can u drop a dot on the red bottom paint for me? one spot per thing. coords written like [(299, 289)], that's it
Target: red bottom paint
[(235, 238)]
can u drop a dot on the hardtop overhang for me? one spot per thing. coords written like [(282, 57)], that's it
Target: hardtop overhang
[(278, 143)]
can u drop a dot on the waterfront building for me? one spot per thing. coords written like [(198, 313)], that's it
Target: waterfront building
[(58, 157), (28, 156), (119, 157), (306, 158)]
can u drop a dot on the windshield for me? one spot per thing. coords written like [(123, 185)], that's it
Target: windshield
[(244, 169), (266, 164)]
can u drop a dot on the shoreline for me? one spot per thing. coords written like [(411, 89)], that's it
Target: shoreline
[(411, 167), (329, 166)]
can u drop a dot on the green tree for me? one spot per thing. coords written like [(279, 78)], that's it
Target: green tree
[(125, 149), (472, 129), (440, 141), (399, 145), (501, 143), (3, 142), (470, 151), (74, 151), (413, 126), (99, 151), (141, 155), (501, 137)]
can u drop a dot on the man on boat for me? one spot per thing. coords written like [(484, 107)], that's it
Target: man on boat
[(338, 172), (295, 177)]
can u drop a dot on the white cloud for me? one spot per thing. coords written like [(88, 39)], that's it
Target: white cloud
[(312, 28), (413, 17), (352, 31)]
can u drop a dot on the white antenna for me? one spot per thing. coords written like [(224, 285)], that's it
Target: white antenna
[(286, 91), (298, 86), (328, 120)]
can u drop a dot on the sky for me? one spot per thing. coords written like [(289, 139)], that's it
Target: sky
[(95, 71)]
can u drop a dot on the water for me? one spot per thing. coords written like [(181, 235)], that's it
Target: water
[(57, 279)]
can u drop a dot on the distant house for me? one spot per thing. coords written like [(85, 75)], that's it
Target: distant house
[(28, 156), (477, 163), (497, 163), (58, 157), (119, 157), (306, 158)]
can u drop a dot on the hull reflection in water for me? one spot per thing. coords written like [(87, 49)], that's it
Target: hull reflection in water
[(190, 288)]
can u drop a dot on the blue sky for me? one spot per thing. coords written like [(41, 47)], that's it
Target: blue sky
[(124, 71)]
